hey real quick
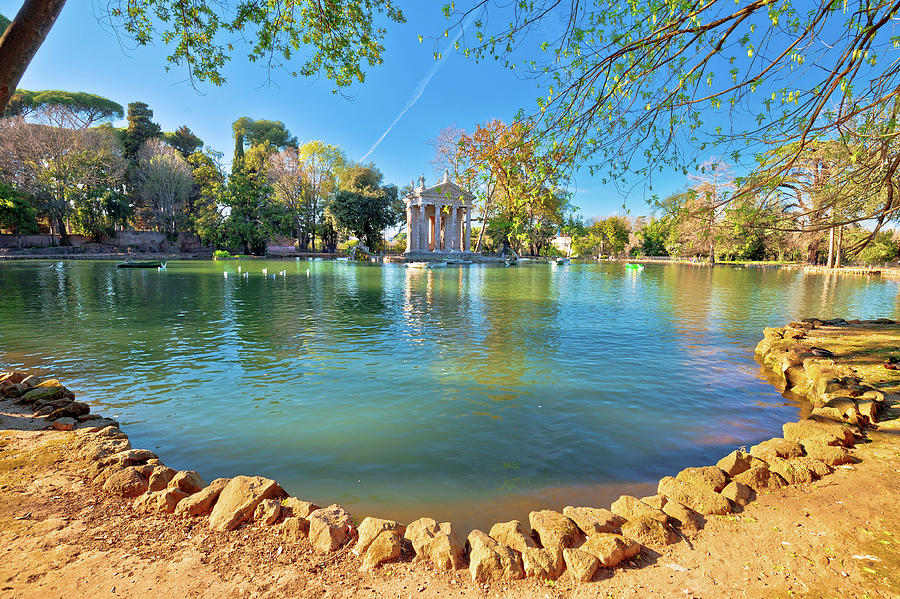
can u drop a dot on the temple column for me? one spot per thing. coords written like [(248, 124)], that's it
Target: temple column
[(468, 233), (422, 230), (437, 227), (452, 230), (410, 225)]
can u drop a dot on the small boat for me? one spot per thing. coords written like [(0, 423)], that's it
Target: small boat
[(142, 264), (563, 260), (630, 266), (426, 264), (511, 262)]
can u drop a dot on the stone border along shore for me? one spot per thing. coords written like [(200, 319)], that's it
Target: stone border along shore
[(579, 540)]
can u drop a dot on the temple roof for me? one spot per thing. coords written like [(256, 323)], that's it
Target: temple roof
[(445, 192)]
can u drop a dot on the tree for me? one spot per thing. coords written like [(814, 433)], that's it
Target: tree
[(710, 192), (259, 132), (336, 38), (253, 219), (184, 140), (322, 165), (77, 110), (642, 87), (140, 128), (59, 168), (163, 183), (363, 206), (203, 216), (16, 213), (518, 181)]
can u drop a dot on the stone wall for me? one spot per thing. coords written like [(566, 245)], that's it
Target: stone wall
[(153, 241)]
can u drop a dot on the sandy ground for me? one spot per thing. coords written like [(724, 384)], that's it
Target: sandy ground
[(62, 537)]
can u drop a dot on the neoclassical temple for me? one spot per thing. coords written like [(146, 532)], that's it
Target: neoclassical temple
[(438, 218)]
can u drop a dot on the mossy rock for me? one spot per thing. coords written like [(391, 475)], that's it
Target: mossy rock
[(46, 393)]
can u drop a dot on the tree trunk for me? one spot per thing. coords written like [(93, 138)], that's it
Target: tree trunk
[(63, 233), (712, 250), (830, 263), (840, 242), (21, 41)]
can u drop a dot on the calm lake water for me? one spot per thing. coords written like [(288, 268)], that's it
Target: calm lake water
[(473, 393)]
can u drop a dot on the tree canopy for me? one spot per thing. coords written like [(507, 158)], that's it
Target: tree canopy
[(642, 87), (86, 109)]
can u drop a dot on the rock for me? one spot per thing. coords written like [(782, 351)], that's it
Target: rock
[(383, 548), (839, 409), (267, 512), (370, 528), (611, 549), (829, 454), (511, 534), (547, 564), (868, 408), (159, 478), (44, 393), (553, 530), (817, 468), (655, 501), (705, 477), (649, 532), (435, 542), (736, 462), (703, 501), (133, 457), (12, 378), (686, 519), (239, 498), (776, 448), (188, 481), (202, 501), (329, 528), (760, 478), (738, 493), (628, 507), (793, 472), (298, 507), (95, 426), (581, 565), (591, 520), (444, 551), (88, 416), (806, 431), (125, 482), (491, 561), (64, 424), (169, 500), (294, 528), (71, 410), (419, 532)]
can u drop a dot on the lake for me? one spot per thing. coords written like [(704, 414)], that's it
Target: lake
[(474, 393)]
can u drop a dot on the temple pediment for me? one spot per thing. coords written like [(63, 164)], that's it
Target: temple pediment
[(446, 193)]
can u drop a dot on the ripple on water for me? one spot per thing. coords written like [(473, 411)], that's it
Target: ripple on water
[(453, 392)]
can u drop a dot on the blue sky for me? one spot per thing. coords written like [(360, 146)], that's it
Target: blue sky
[(82, 54)]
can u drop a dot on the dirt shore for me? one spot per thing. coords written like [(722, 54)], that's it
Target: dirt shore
[(61, 536)]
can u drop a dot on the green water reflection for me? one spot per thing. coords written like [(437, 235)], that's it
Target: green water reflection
[(460, 393)]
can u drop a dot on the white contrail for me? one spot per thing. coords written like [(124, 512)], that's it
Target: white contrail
[(421, 87)]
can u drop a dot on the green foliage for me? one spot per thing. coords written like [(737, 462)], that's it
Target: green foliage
[(85, 109), (363, 206), (17, 215), (140, 128), (336, 38), (603, 237), (183, 140), (221, 254), (252, 133), (253, 218), (654, 236), (201, 215), (99, 211), (4, 23), (881, 249)]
